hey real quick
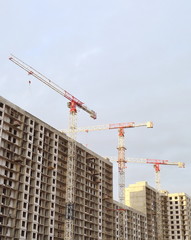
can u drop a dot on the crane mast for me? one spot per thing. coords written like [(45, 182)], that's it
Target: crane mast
[(70, 180), (121, 155), (121, 165)]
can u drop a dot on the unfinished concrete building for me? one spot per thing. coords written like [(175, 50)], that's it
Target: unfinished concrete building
[(177, 216), (164, 214), (144, 198), (129, 223), (168, 214), (33, 167), (33, 163)]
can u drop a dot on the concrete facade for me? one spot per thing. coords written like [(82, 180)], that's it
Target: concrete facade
[(129, 223), (168, 214), (144, 198), (177, 215), (33, 164)]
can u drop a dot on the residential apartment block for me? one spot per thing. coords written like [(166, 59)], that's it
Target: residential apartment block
[(33, 169), (143, 198), (168, 214), (176, 215), (129, 223), (33, 164)]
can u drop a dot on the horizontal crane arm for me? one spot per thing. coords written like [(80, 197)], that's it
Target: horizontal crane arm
[(88, 129), (150, 161), (110, 126), (52, 85)]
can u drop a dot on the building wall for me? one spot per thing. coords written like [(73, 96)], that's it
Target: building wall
[(164, 212), (33, 165), (129, 223), (179, 216), (144, 198), (168, 215)]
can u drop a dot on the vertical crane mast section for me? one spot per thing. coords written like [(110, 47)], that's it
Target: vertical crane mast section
[(121, 153), (121, 164), (70, 181)]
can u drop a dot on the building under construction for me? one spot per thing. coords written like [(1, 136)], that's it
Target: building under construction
[(33, 169), (142, 197), (176, 215), (33, 177), (168, 215)]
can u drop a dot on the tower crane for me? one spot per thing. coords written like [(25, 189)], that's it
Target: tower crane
[(73, 104), (121, 148), (156, 164)]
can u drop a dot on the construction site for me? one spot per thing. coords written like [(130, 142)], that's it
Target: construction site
[(55, 188)]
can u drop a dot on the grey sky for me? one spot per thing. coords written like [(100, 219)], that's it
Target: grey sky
[(127, 60)]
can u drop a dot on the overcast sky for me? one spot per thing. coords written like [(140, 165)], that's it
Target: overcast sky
[(127, 60)]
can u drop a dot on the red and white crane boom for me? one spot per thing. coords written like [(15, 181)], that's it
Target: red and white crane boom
[(110, 126), (70, 180), (156, 164), (31, 71)]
